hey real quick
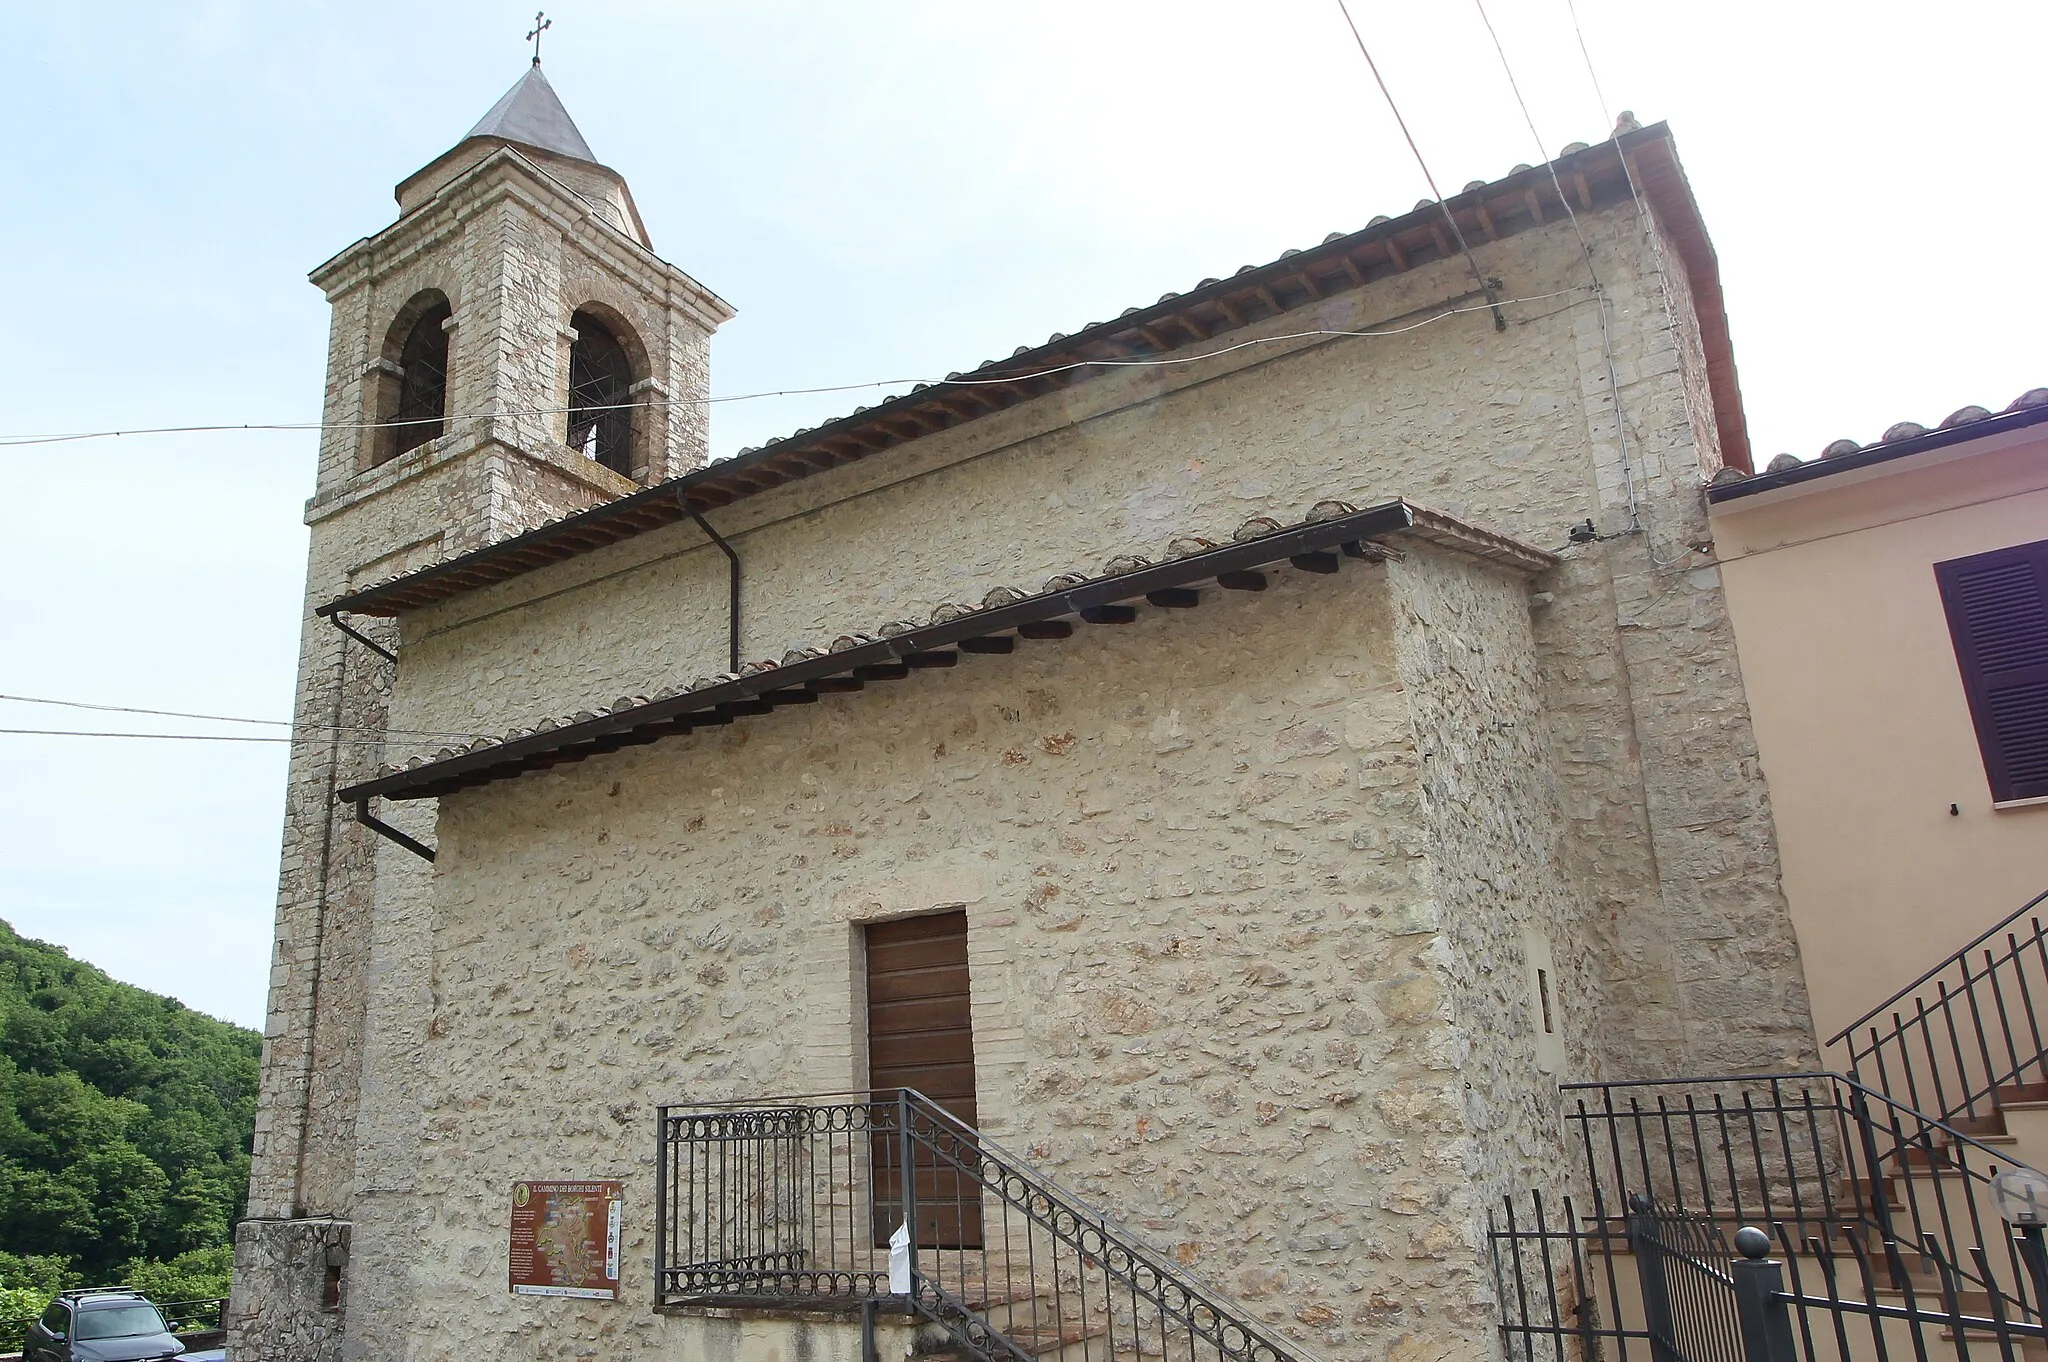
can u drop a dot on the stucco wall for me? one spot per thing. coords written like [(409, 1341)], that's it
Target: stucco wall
[(1860, 712)]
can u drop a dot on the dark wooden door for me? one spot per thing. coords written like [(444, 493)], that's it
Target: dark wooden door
[(921, 1035)]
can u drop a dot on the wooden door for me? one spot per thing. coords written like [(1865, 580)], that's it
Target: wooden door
[(921, 1035)]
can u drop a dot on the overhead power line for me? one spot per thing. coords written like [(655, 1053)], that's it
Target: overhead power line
[(1628, 471), (1500, 323), (164, 737), (1492, 304), (1599, 95), (224, 719)]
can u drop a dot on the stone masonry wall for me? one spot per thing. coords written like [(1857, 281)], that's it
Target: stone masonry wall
[(280, 1309), (1518, 431), (1497, 874), (340, 989), (1222, 968), (1209, 978)]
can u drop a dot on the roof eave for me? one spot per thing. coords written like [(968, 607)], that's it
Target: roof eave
[(1355, 533), (877, 425), (1818, 469)]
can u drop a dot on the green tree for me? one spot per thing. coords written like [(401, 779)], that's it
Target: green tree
[(199, 1275), (125, 1119)]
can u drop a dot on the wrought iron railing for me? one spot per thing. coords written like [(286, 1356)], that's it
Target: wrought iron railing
[(1956, 1039), (796, 1201), (1673, 1286), (1818, 1153)]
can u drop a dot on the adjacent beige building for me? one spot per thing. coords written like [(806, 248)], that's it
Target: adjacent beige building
[(1313, 747), (1898, 842)]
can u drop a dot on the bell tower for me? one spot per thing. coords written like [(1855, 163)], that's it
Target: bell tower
[(565, 346), (508, 351)]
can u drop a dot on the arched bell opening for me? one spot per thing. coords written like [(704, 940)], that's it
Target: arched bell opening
[(601, 377)]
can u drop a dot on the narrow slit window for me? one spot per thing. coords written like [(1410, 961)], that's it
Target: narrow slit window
[(1543, 997)]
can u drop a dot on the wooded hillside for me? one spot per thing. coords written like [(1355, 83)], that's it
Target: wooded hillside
[(125, 1117)]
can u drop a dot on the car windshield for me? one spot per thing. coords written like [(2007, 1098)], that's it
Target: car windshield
[(119, 1321)]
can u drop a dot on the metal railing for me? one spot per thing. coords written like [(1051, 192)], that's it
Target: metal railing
[(797, 1201), (1818, 1153), (1668, 1286), (1688, 1294), (1948, 1042)]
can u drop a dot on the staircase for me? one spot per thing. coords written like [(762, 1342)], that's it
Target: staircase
[(795, 1203), (1966, 1039)]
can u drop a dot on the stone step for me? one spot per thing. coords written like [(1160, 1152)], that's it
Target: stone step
[(1072, 1343)]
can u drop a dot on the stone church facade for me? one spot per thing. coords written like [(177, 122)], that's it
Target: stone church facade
[(1332, 736)]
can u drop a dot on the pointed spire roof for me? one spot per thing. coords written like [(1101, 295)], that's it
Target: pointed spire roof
[(532, 115)]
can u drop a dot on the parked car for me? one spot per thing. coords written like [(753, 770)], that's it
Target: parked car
[(100, 1324)]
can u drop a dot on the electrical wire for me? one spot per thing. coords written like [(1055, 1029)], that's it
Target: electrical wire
[(179, 713), (1500, 322), (1628, 171), (1628, 472), (1492, 304), (1599, 95), (166, 737)]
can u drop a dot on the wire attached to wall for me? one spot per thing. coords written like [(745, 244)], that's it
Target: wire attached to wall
[(1600, 297)]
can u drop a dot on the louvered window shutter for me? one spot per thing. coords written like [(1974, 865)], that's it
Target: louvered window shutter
[(1997, 607)]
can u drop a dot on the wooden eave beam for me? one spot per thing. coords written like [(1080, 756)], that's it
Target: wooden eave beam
[(1105, 600)]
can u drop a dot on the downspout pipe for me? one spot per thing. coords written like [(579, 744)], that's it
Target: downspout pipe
[(363, 814), (384, 829), (363, 638), (732, 610)]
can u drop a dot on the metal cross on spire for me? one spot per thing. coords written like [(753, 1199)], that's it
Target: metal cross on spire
[(541, 24)]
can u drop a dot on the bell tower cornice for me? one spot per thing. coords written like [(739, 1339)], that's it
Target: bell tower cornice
[(505, 174)]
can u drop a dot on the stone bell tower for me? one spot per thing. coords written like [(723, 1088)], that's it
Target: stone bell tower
[(509, 351)]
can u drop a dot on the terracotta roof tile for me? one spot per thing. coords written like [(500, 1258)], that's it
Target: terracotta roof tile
[(1410, 521), (1959, 423)]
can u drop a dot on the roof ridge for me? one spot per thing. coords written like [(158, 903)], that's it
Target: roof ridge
[(1526, 198)]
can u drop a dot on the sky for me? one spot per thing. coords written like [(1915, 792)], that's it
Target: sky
[(886, 190)]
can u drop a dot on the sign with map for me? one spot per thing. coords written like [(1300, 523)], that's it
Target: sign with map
[(565, 1239)]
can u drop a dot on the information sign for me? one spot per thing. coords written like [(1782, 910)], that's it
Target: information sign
[(565, 1239)]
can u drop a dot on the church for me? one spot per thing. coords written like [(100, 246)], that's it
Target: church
[(1109, 854)]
